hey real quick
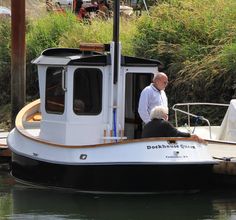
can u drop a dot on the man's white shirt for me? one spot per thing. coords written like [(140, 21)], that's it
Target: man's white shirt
[(149, 98)]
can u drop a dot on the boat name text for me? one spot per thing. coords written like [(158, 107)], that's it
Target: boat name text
[(172, 146)]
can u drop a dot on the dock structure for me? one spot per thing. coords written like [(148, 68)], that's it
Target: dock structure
[(5, 153), (225, 170)]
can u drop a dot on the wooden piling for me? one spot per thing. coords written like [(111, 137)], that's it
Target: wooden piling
[(18, 60)]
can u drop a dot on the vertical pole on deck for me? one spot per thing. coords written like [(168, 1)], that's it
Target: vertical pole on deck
[(116, 32), (116, 57), (18, 60)]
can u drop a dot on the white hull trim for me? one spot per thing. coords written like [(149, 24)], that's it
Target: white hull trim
[(152, 151)]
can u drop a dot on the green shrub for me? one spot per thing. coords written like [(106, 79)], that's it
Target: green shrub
[(195, 41), (46, 32), (5, 66)]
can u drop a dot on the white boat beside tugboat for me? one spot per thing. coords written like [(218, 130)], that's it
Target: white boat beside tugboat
[(221, 137)]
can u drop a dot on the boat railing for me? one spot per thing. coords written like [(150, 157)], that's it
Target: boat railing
[(198, 117)]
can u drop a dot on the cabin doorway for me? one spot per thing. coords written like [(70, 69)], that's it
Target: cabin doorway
[(135, 83)]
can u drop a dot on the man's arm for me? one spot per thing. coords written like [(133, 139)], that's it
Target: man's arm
[(173, 132), (143, 107)]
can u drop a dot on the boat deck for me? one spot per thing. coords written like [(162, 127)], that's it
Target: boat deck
[(203, 131)]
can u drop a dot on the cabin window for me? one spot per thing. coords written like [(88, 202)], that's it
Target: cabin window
[(55, 94), (87, 91)]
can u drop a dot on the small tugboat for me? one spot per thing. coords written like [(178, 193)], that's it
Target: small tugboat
[(84, 133)]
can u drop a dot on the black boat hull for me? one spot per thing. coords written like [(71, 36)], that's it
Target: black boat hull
[(117, 178)]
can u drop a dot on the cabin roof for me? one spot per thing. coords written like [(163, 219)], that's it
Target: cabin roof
[(69, 56)]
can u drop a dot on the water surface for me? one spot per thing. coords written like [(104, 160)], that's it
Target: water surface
[(18, 201)]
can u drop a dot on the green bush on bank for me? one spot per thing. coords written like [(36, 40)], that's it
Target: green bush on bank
[(46, 32), (196, 41), (5, 72), (5, 57)]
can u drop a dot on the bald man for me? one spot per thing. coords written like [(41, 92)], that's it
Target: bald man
[(153, 95)]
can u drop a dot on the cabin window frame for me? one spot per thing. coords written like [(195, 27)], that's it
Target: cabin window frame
[(58, 91)]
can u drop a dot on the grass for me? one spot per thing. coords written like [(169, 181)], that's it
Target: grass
[(92, 33)]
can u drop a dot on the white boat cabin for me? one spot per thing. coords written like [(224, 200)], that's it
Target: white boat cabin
[(83, 103)]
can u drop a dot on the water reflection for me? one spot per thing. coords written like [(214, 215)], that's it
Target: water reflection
[(21, 202)]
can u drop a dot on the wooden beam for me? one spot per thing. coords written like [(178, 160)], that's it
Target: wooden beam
[(18, 60)]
